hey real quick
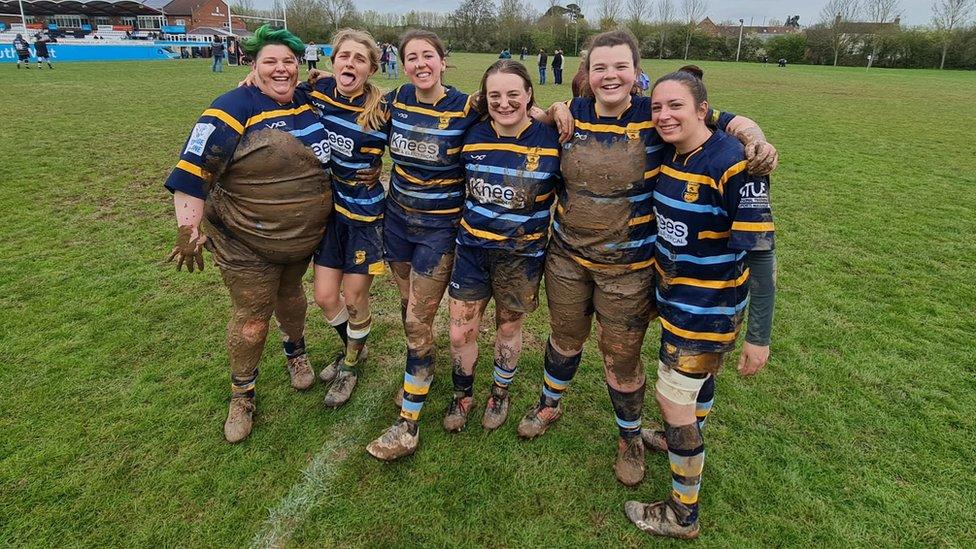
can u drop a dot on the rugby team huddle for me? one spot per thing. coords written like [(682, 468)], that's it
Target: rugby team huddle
[(633, 208)]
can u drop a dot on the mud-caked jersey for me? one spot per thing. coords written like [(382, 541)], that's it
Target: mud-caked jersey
[(604, 217), (427, 179), (710, 212), (233, 117), (511, 184), (352, 148)]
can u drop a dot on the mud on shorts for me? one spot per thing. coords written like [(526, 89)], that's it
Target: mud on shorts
[(422, 247), (513, 280), (622, 297), (352, 249), (237, 261)]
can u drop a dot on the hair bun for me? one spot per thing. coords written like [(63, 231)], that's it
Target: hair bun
[(693, 70)]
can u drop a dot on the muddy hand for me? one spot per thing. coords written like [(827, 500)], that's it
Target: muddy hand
[(250, 80), (369, 175), (762, 157), (188, 249), (565, 123), (753, 358), (315, 75)]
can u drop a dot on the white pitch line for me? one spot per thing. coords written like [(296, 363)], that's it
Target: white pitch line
[(291, 511)]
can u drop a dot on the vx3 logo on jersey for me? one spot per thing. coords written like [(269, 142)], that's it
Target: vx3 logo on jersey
[(580, 136), (278, 124), (479, 157), (403, 115)]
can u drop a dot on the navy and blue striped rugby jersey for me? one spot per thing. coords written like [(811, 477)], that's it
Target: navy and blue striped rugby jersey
[(230, 118), (427, 179), (710, 212), (352, 148), (511, 185), (604, 217)]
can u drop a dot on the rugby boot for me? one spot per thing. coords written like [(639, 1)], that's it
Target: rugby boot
[(240, 418), (340, 391), (302, 376), (457, 413), (659, 519), (395, 442), (328, 374), (538, 419), (496, 412), (629, 466), (654, 440)]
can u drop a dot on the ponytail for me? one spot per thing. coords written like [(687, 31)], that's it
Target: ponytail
[(374, 113)]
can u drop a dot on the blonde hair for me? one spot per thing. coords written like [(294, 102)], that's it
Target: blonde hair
[(374, 113)]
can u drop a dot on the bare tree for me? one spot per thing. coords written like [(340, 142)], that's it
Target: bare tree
[(694, 11), (610, 11), (638, 11), (948, 15), (336, 11), (882, 12), (665, 12), (835, 15)]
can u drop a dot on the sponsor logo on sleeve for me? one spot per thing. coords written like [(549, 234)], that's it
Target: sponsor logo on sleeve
[(198, 139), (754, 195)]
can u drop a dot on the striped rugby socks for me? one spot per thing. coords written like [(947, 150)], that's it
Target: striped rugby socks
[(686, 454), (416, 384), (627, 407), (559, 372)]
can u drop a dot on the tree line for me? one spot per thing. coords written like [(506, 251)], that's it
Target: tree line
[(849, 32)]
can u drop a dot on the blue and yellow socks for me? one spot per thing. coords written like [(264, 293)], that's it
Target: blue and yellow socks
[(559, 372), (627, 407), (416, 384), (686, 453)]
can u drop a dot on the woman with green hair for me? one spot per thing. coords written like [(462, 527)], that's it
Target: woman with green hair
[(251, 186)]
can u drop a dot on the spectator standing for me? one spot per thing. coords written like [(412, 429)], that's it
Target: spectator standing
[(542, 66), (40, 50), (523, 53), (557, 67), (23, 51), (391, 61), (218, 54), (384, 57), (311, 55)]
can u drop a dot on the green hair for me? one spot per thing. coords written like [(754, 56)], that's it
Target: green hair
[(266, 34)]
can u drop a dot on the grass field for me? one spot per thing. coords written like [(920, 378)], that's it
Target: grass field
[(113, 376)]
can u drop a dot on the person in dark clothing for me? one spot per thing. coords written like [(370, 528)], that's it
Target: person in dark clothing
[(523, 53), (542, 66), (557, 67), (40, 50), (218, 55), (23, 51)]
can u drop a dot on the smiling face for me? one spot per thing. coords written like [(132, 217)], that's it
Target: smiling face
[(508, 100), (612, 75), (277, 72), (352, 66), (677, 118), (423, 64)]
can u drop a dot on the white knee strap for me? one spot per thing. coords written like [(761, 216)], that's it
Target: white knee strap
[(676, 386)]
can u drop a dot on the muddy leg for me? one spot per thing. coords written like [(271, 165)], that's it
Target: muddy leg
[(620, 347), (253, 297), (329, 299), (291, 304), (465, 319), (401, 275), (356, 290)]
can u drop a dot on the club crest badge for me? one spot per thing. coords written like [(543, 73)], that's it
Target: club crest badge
[(532, 160), (443, 123), (360, 257), (691, 192), (633, 134)]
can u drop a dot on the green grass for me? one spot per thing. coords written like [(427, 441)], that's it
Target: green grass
[(114, 382)]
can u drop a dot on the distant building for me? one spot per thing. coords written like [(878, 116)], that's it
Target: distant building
[(762, 32)]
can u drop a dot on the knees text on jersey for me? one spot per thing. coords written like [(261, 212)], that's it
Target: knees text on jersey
[(497, 194), (422, 150), (674, 232)]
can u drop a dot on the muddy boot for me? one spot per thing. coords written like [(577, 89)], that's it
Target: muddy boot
[(457, 413), (629, 466), (538, 419), (654, 440), (395, 442), (329, 373), (341, 390), (302, 376), (659, 519), (398, 399), (496, 412), (239, 418)]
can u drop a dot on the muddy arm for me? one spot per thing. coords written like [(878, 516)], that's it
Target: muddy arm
[(762, 156), (189, 242), (559, 114)]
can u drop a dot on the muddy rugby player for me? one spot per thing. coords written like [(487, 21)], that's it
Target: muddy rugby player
[(252, 186), (714, 244), (511, 164), (602, 253)]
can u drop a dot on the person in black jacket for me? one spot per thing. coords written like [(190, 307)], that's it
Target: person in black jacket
[(557, 67), (542, 66), (40, 50)]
